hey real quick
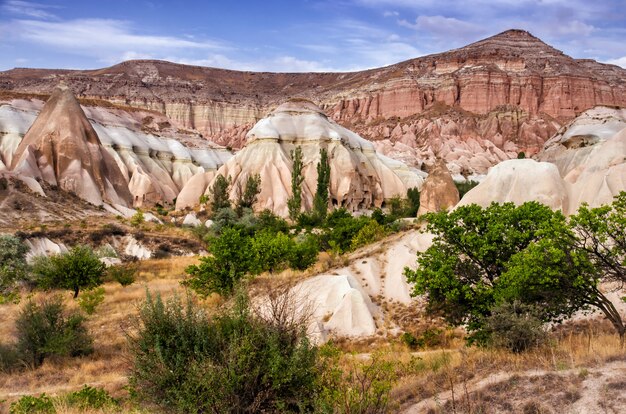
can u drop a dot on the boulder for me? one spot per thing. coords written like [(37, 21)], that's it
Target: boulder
[(438, 192)]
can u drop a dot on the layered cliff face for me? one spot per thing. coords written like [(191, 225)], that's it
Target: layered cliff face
[(360, 177), (584, 163), (474, 106), (153, 159)]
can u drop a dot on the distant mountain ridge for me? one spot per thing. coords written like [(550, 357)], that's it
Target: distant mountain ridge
[(493, 98)]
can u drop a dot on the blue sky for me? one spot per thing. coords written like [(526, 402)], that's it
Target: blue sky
[(292, 36)]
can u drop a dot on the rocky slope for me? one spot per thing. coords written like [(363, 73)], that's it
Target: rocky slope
[(151, 158), (474, 106), (584, 163), (359, 176)]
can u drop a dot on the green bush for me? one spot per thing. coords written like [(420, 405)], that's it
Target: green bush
[(409, 340), (137, 219), (233, 362), (91, 299), (304, 252), (9, 358), (90, 398), (13, 265), (270, 252), (77, 269), (515, 326), (465, 186), (124, 274), (354, 387), (30, 405), (46, 329), (369, 233)]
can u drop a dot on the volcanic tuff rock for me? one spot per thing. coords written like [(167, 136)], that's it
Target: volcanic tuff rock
[(496, 97), (360, 177), (439, 192), (62, 148), (155, 159), (584, 163)]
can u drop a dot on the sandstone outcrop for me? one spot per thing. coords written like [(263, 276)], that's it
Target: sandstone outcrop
[(62, 148), (438, 192), (360, 178), (494, 98)]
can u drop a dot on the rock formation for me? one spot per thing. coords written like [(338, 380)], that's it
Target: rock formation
[(518, 181), (584, 163), (474, 106), (62, 148), (360, 178), (156, 160), (438, 192)]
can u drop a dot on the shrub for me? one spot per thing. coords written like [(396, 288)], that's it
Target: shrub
[(354, 387), (29, 404), (515, 326), (124, 274), (137, 219), (304, 252), (270, 252), (12, 262), (369, 233), (46, 329), (91, 299), (409, 340), (77, 269), (465, 186), (90, 398), (234, 362), (9, 358)]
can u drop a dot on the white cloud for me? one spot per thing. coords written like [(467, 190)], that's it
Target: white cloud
[(100, 37), (388, 13), (444, 26), (619, 62), (30, 9)]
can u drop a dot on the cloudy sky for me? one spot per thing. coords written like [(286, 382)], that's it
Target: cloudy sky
[(293, 36)]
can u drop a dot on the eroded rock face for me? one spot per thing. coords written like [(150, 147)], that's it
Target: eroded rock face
[(518, 181), (496, 97), (156, 160), (62, 148), (360, 177), (439, 192)]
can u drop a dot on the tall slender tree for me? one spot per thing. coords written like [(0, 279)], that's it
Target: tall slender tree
[(294, 204), (320, 202)]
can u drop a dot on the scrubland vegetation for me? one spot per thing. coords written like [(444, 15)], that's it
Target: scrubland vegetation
[(133, 338)]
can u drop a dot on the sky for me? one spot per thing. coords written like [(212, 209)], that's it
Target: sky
[(292, 36)]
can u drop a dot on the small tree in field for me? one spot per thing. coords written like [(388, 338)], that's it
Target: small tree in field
[(13, 265), (77, 269), (294, 204), (320, 201)]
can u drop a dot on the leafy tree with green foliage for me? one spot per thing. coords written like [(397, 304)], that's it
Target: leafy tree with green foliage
[(228, 262), (219, 194), (320, 201), (271, 251), (413, 202), (233, 362), (369, 233), (13, 265), (248, 196), (77, 269), (461, 272), (294, 203), (304, 252), (46, 329)]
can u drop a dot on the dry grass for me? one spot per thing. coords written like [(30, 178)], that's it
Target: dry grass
[(107, 366)]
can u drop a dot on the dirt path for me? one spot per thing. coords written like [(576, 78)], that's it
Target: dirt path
[(603, 389)]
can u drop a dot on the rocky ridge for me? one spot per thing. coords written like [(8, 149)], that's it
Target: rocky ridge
[(474, 106)]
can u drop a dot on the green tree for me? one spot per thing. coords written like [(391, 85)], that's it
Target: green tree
[(46, 329), (13, 265), (460, 273), (413, 202), (320, 201), (77, 269), (294, 204), (229, 260), (249, 195), (219, 194)]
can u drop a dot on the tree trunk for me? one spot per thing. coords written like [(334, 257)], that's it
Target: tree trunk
[(75, 292)]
